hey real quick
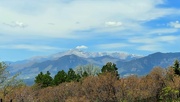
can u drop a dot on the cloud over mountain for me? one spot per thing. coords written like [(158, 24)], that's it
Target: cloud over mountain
[(81, 47)]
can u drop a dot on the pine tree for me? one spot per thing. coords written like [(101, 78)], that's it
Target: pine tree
[(110, 67), (72, 76), (39, 78), (60, 77), (85, 74), (176, 67), (44, 80)]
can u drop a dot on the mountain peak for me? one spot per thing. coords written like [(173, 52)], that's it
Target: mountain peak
[(81, 53)]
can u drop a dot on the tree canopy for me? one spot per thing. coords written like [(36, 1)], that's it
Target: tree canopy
[(44, 80), (110, 67), (60, 77)]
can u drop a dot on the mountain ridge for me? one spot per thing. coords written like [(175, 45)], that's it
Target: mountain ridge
[(81, 53), (140, 65), (144, 65)]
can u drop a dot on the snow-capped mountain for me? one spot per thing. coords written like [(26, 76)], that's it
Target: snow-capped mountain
[(83, 54), (29, 68), (126, 63), (80, 53), (87, 55)]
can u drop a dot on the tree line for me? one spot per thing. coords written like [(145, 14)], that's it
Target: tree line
[(44, 80), (159, 85)]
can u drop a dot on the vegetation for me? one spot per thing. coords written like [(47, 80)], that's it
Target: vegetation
[(86, 70), (7, 83), (160, 85), (44, 80), (60, 77), (176, 67), (110, 67)]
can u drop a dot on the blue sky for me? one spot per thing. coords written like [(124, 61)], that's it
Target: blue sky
[(42, 27)]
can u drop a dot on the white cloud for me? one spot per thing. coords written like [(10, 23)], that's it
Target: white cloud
[(29, 47), (88, 13), (168, 39), (81, 47), (175, 24), (121, 19), (150, 47), (113, 24), (16, 24), (162, 31), (156, 43), (154, 40), (20, 24), (112, 45)]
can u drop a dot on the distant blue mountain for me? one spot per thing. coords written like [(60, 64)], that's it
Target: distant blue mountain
[(144, 65), (129, 64)]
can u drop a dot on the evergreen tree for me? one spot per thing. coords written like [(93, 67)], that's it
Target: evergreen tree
[(176, 67), (44, 80), (78, 77), (48, 79), (39, 78), (110, 67), (85, 74), (60, 77), (72, 76)]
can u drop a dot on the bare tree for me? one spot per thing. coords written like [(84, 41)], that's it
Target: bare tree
[(90, 69), (7, 83)]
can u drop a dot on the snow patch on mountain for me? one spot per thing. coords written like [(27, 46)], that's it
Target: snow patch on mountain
[(80, 53)]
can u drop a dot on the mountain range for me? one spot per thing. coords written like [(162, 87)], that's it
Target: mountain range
[(127, 63), (144, 65)]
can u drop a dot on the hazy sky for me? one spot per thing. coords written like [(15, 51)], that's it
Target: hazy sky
[(42, 27)]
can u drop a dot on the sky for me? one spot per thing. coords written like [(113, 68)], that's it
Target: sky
[(43, 27)]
